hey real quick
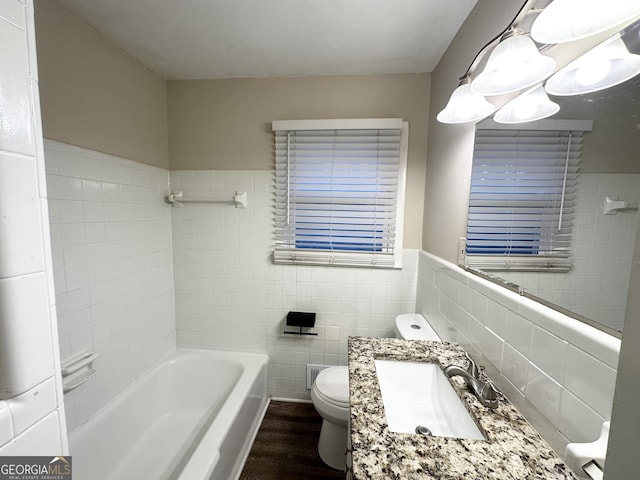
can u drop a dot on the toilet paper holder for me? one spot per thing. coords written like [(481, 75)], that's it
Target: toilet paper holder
[(301, 320)]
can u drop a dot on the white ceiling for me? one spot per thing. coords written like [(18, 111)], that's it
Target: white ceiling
[(188, 39)]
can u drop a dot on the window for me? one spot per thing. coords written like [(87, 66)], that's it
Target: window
[(522, 199), (340, 191)]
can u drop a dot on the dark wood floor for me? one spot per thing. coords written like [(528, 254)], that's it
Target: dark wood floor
[(286, 447)]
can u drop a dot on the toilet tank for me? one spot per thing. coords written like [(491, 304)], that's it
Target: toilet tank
[(413, 326)]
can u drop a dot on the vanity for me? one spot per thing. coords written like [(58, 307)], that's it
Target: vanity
[(512, 449)]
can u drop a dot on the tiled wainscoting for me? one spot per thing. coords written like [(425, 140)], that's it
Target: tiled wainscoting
[(597, 284), (120, 251), (111, 240), (230, 295), (559, 371)]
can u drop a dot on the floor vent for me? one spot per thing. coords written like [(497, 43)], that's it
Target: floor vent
[(312, 373)]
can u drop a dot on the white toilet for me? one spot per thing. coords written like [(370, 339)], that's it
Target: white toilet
[(413, 326), (330, 393)]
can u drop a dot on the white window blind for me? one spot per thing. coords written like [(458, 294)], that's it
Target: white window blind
[(340, 191), (522, 200)]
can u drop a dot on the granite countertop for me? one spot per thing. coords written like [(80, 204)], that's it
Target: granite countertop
[(513, 449)]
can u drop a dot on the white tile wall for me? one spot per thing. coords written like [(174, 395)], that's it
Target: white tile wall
[(33, 405), (21, 231), (15, 96), (32, 417), (39, 439), (23, 306), (230, 296), (559, 371), (597, 285), (111, 246)]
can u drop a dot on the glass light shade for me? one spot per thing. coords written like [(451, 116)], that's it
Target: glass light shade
[(532, 105), (465, 106), (513, 65), (609, 64), (568, 20)]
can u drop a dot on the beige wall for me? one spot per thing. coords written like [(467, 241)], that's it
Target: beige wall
[(94, 94), (612, 146), (451, 146), (226, 124)]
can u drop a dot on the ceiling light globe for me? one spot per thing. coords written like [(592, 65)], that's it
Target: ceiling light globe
[(568, 20), (524, 109), (532, 105), (590, 73), (514, 64), (607, 65), (465, 106)]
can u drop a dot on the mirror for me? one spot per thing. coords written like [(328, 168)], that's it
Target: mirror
[(595, 289)]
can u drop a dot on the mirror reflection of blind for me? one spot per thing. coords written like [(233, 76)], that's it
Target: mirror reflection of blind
[(336, 196), (522, 200)]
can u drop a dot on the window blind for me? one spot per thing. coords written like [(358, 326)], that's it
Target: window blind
[(338, 192), (522, 200)]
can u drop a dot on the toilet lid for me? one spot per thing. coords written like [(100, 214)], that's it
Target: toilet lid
[(332, 384), (413, 326)]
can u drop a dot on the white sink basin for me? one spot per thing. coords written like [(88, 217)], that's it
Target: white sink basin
[(419, 394)]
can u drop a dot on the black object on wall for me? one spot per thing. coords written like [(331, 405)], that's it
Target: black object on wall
[(301, 320)]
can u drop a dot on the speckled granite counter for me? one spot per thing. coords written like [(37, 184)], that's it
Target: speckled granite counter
[(513, 449)]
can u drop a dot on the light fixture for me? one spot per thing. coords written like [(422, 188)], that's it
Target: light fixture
[(465, 106), (532, 105), (568, 20), (514, 64), (609, 64)]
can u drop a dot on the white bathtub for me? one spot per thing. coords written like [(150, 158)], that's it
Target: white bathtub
[(193, 417)]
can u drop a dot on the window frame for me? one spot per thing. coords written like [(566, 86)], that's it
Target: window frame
[(554, 261), (288, 254)]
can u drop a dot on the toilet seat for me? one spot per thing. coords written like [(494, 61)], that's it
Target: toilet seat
[(332, 386)]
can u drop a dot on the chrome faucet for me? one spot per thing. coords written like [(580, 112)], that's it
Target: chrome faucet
[(485, 391)]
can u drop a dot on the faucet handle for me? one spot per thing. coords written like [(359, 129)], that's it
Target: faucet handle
[(473, 368), (489, 391), (489, 395)]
